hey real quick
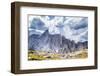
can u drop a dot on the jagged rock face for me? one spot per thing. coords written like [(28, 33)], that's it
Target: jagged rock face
[(82, 45), (54, 43)]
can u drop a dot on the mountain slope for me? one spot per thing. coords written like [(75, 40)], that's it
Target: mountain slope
[(54, 43)]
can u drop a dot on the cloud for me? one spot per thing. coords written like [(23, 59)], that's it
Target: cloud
[(73, 28), (82, 24), (37, 24)]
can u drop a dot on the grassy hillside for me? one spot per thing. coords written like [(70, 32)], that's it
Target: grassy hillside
[(41, 55)]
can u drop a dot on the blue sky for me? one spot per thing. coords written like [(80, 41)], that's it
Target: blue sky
[(73, 28)]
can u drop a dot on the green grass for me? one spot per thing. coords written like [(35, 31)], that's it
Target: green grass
[(34, 56), (82, 54), (41, 55)]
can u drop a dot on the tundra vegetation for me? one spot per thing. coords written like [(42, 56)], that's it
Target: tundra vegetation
[(43, 55)]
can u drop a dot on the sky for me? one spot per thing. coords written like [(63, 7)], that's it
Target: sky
[(71, 27)]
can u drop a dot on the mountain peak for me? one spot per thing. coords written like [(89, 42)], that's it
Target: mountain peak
[(46, 32), (54, 43)]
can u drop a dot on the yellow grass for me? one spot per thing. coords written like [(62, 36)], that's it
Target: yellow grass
[(41, 55)]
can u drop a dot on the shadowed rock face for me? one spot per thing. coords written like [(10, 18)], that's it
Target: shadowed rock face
[(54, 43)]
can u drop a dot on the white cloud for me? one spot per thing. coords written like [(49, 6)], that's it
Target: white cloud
[(67, 26)]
